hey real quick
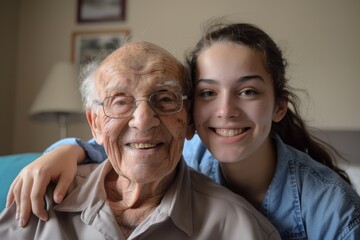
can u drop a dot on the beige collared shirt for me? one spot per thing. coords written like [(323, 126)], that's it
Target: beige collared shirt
[(194, 207)]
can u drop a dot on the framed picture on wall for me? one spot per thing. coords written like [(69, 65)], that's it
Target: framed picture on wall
[(88, 45), (100, 10)]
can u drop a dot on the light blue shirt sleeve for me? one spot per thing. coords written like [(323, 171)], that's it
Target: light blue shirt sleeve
[(95, 152)]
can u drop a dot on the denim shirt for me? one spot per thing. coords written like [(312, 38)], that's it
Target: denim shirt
[(305, 200)]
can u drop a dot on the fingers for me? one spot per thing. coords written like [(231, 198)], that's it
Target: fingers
[(62, 186), (17, 193), (41, 181), (21, 192), (28, 190), (29, 187), (10, 196), (23, 203)]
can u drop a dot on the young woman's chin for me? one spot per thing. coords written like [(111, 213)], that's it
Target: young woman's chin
[(229, 154)]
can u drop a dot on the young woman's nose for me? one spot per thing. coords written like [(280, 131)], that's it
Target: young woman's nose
[(144, 117), (227, 107)]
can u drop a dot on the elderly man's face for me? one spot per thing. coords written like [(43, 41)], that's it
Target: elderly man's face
[(143, 147)]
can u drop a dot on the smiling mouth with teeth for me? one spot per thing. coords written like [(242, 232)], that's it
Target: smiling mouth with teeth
[(229, 132), (142, 145)]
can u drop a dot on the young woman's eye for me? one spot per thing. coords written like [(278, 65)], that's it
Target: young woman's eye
[(248, 92), (207, 94)]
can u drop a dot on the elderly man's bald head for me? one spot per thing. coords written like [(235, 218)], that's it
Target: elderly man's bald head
[(134, 59), (143, 58), (138, 56)]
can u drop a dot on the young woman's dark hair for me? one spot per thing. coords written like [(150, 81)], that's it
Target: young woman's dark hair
[(292, 129)]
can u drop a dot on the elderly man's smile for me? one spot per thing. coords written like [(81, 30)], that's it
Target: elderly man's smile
[(143, 145)]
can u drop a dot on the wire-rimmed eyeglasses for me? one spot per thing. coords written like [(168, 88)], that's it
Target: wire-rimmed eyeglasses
[(162, 103)]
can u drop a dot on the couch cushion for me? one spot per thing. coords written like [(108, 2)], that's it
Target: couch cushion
[(10, 166)]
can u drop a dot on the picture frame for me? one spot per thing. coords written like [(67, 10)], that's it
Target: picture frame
[(87, 45), (100, 10)]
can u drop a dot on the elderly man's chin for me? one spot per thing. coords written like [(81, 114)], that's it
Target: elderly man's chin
[(140, 174), (147, 165)]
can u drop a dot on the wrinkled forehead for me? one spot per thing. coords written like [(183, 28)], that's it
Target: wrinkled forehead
[(135, 61)]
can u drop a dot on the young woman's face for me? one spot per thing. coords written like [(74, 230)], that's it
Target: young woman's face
[(234, 103)]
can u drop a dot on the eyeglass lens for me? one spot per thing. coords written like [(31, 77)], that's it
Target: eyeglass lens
[(163, 103)]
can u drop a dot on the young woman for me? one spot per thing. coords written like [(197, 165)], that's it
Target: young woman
[(251, 142)]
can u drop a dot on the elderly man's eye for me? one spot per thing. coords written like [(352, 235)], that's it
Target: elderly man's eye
[(121, 101), (166, 97)]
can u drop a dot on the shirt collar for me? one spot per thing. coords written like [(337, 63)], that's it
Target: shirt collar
[(282, 202), (180, 199), (176, 204)]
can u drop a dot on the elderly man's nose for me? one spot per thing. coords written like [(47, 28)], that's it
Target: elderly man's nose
[(144, 117)]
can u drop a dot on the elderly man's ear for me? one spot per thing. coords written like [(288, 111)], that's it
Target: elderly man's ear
[(93, 121)]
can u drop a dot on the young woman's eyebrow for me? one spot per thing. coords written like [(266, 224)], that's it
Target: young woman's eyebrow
[(250, 77), (206, 80), (240, 80)]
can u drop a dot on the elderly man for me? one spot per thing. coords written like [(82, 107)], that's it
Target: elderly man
[(137, 103)]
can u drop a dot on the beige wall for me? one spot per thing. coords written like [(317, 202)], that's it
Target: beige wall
[(9, 14), (320, 39)]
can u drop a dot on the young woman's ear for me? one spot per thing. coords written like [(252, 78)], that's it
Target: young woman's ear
[(280, 109), (93, 120)]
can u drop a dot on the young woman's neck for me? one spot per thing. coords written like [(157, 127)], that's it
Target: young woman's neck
[(252, 176)]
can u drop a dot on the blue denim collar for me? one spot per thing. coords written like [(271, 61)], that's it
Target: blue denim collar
[(282, 201)]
